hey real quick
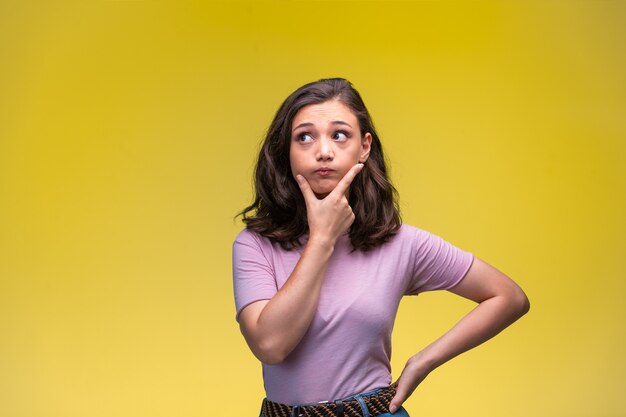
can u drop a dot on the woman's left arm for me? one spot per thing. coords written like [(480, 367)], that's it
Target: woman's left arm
[(500, 302)]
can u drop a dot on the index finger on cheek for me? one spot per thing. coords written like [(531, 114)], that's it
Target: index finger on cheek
[(347, 179)]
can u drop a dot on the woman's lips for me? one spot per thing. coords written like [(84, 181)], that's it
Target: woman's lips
[(323, 172)]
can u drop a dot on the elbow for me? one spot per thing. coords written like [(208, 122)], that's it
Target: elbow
[(521, 303), (270, 353), (268, 347), (270, 358), (526, 307)]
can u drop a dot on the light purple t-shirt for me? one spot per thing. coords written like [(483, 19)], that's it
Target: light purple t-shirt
[(347, 348)]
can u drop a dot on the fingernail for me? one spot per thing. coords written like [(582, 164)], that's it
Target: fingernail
[(299, 178)]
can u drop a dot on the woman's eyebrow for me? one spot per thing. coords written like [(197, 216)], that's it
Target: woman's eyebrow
[(334, 122), (303, 125)]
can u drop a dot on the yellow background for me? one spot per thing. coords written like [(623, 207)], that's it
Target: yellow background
[(128, 132)]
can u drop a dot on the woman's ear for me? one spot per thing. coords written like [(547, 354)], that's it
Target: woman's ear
[(366, 146)]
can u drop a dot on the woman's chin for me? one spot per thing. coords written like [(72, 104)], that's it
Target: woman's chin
[(322, 191), (320, 196)]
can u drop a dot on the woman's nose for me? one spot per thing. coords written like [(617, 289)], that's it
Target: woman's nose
[(324, 150)]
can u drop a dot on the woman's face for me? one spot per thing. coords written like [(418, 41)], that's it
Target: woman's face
[(325, 143)]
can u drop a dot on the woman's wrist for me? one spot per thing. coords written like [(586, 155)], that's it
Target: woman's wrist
[(322, 241), (423, 362)]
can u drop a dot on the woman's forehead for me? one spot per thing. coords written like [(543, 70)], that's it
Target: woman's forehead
[(327, 112)]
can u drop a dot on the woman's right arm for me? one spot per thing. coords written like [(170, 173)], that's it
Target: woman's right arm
[(273, 328)]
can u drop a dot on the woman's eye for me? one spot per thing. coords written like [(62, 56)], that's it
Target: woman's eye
[(304, 137), (341, 135)]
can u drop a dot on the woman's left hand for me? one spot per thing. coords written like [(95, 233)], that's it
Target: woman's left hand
[(500, 303), (414, 372)]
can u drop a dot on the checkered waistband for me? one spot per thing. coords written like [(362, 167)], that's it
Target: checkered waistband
[(377, 403)]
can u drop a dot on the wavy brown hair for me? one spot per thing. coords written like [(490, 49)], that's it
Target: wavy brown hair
[(279, 211)]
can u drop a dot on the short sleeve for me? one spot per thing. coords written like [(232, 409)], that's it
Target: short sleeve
[(253, 274), (438, 265)]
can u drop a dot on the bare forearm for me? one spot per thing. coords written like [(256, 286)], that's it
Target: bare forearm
[(274, 328), (285, 319), (500, 303), (485, 321)]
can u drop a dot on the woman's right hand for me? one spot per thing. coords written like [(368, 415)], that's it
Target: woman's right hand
[(273, 328), (331, 216)]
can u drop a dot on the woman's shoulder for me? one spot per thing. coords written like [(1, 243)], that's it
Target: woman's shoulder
[(406, 235), (249, 244), (417, 234), (410, 236), (408, 231), (247, 236)]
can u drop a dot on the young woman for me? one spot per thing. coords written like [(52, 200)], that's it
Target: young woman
[(324, 260)]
